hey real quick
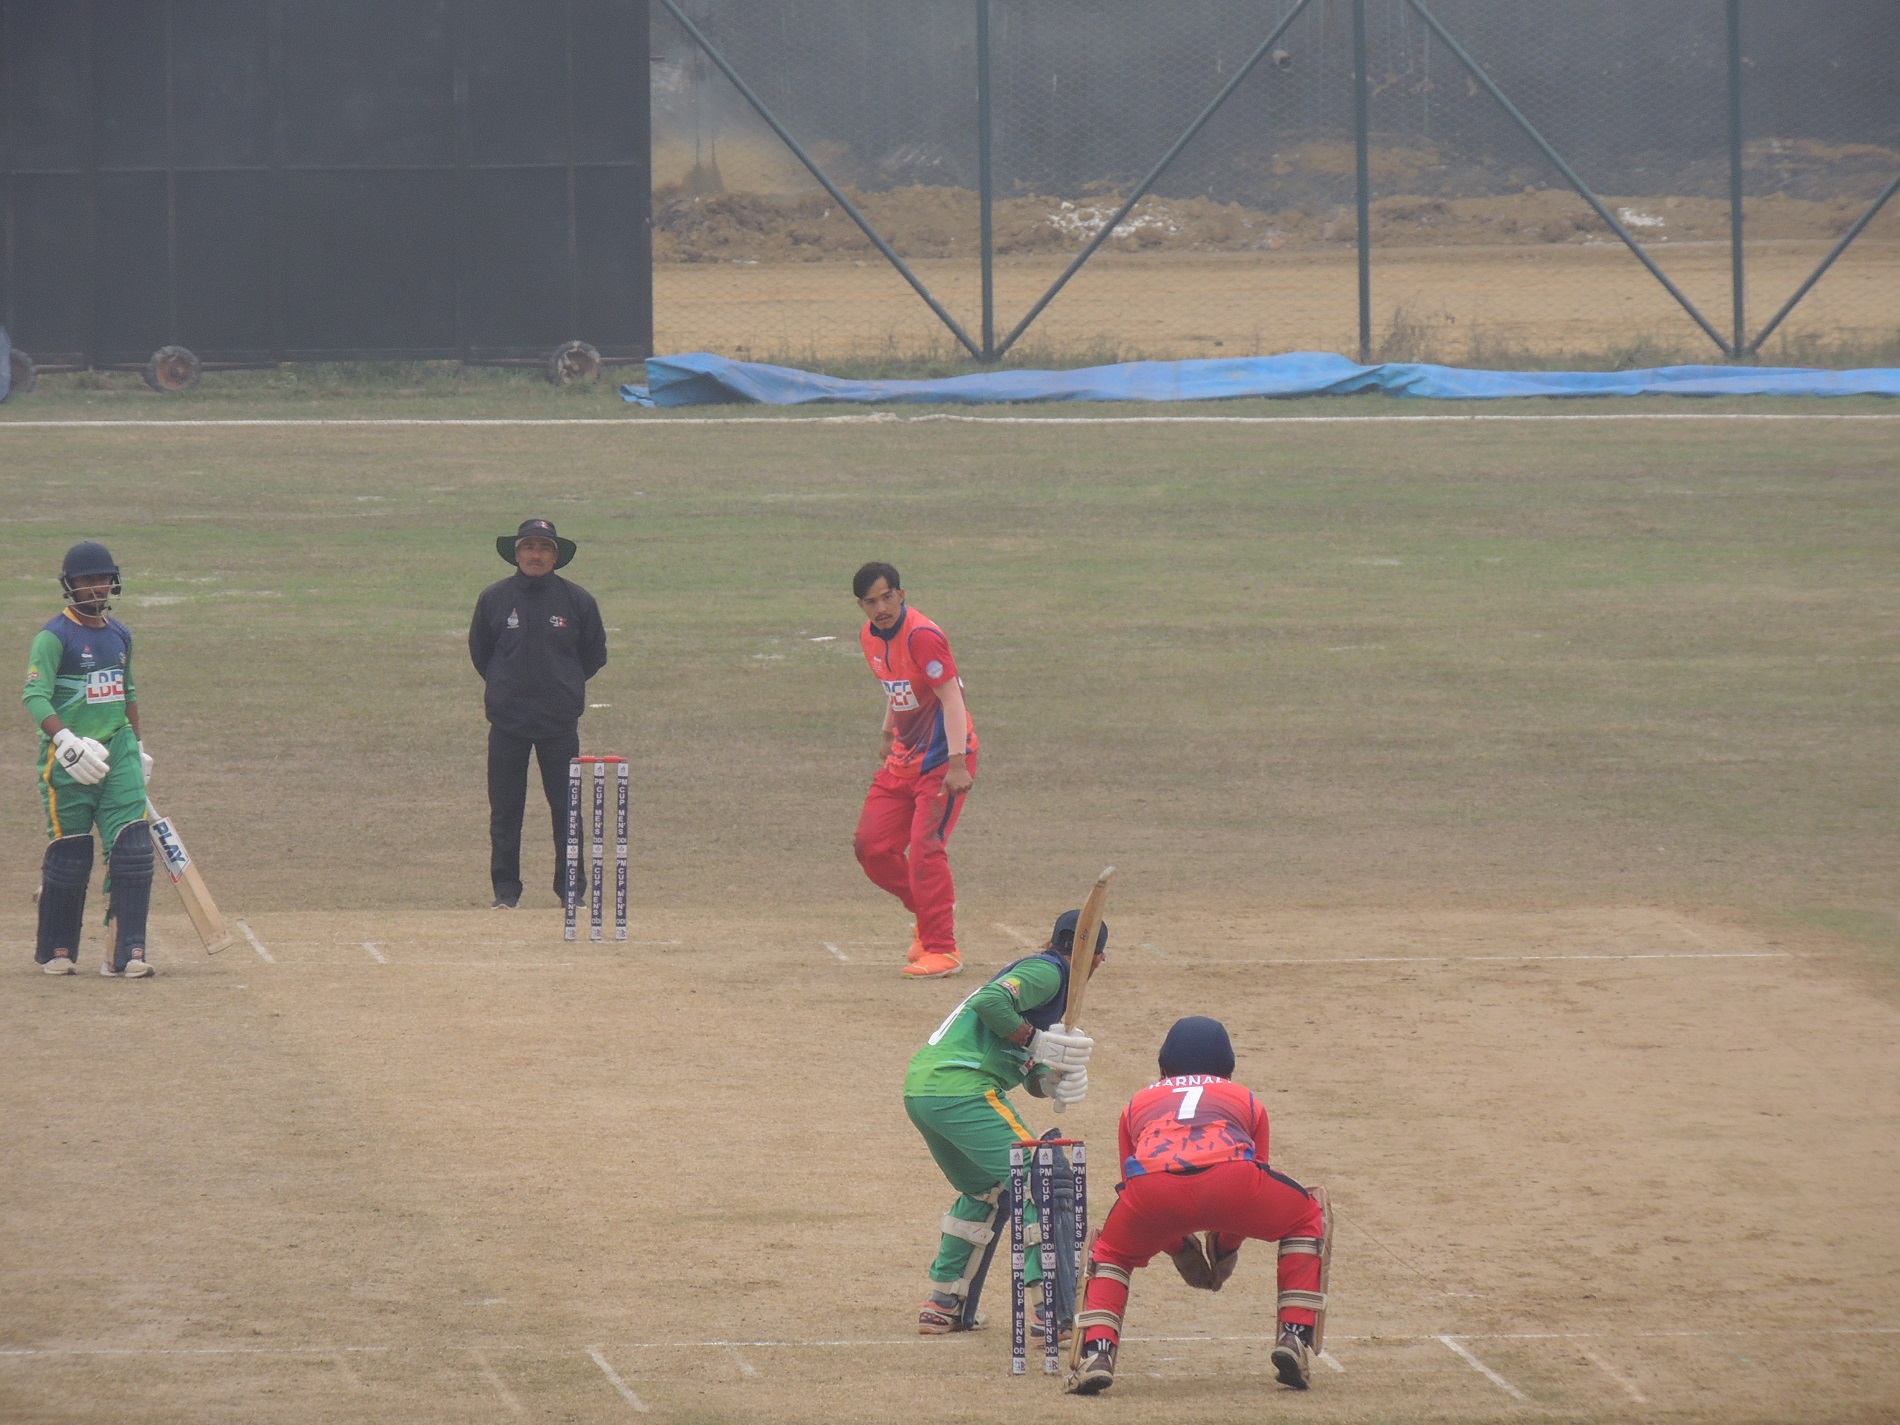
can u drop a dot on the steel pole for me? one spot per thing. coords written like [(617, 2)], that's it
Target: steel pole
[(1735, 172), (1361, 136), (986, 243)]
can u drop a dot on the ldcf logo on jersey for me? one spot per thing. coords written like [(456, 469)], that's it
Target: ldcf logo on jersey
[(514, 618), (903, 697)]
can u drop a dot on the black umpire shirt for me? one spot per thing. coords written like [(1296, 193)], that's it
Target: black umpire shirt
[(536, 642)]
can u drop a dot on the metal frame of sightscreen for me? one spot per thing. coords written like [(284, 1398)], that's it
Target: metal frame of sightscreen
[(988, 349)]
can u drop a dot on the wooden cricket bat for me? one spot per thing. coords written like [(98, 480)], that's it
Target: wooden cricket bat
[(1082, 952), (206, 918)]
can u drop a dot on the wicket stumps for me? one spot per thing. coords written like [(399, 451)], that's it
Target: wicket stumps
[(1037, 1175), (597, 878)]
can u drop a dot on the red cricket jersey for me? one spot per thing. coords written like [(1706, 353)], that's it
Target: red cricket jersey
[(910, 665), (1191, 1122)]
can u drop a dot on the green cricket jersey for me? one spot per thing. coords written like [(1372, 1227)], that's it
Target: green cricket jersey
[(970, 1054), (81, 673)]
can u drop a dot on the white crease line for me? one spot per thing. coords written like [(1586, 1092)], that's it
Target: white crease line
[(620, 1385), (1327, 1357), (375, 952), (630, 421), (1594, 1359), (1482, 1369), (256, 944), (746, 1368), (501, 1389), (1480, 959), (1015, 934), (843, 959)]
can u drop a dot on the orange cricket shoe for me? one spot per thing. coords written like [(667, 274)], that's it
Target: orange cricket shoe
[(929, 966), (916, 951)]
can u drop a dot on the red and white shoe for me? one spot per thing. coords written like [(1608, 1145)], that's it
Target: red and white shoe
[(931, 966), (941, 1313)]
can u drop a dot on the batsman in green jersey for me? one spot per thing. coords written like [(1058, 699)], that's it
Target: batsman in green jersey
[(92, 768), (1007, 1033)]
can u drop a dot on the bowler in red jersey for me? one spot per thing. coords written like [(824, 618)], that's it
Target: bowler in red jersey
[(929, 766), (1194, 1159)]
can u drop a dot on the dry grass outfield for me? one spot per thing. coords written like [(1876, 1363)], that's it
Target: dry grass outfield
[(1523, 795), (1494, 305)]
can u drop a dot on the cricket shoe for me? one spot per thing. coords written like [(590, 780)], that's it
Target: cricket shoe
[(1293, 1359), (932, 966), (59, 965), (941, 1313), (916, 951), (134, 970), (1095, 1372)]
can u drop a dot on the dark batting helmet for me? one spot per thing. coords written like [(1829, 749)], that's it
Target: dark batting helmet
[(88, 559)]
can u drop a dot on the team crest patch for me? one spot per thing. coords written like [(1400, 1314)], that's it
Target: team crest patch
[(514, 618), (934, 668), (556, 621), (32, 675)]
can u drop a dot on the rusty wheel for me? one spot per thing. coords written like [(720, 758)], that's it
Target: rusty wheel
[(574, 362), (20, 372), (172, 369)]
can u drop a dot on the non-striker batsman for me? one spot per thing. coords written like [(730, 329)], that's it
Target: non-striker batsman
[(91, 768)]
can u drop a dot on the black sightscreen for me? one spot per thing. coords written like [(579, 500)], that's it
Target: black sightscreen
[(298, 179)]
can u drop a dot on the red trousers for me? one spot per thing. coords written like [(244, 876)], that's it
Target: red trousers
[(900, 844), (1237, 1200)]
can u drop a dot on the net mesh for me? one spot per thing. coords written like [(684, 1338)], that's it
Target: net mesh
[(1246, 242)]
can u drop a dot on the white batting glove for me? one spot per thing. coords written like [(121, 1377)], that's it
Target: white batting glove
[(85, 760), (1062, 1048), (1072, 1087), (145, 762)]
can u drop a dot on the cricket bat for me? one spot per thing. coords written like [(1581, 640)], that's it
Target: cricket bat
[(206, 918), (1082, 952)]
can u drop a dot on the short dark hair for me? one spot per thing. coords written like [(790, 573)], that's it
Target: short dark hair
[(862, 581)]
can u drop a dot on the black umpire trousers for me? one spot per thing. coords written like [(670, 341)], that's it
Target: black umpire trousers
[(508, 801)]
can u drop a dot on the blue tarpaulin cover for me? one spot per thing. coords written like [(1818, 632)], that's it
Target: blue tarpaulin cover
[(701, 379)]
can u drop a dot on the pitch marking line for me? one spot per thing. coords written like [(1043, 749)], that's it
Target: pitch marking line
[(375, 952), (746, 1368), (1594, 1359), (1481, 959), (626, 1392), (632, 422), (1482, 1369), (1013, 933), (843, 959), (256, 944), (1327, 1357), (501, 1389)]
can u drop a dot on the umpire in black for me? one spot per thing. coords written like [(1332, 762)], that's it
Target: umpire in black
[(536, 639)]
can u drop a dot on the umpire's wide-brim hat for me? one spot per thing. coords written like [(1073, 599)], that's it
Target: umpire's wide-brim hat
[(532, 529)]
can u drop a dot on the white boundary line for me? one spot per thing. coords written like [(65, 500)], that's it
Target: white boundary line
[(635, 422), (375, 952), (1479, 1366), (843, 959), (256, 944), (626, 1392), (1594, 1359)]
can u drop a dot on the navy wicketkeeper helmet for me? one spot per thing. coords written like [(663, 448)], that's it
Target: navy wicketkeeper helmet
[(1197, 1045)]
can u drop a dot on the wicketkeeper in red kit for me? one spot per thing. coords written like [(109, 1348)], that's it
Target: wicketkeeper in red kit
[(1194, 1160)]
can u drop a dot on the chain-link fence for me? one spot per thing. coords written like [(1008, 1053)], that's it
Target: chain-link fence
[(877, 181)]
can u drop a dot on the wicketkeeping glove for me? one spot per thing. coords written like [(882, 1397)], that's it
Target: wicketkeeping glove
[(85, 760)]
